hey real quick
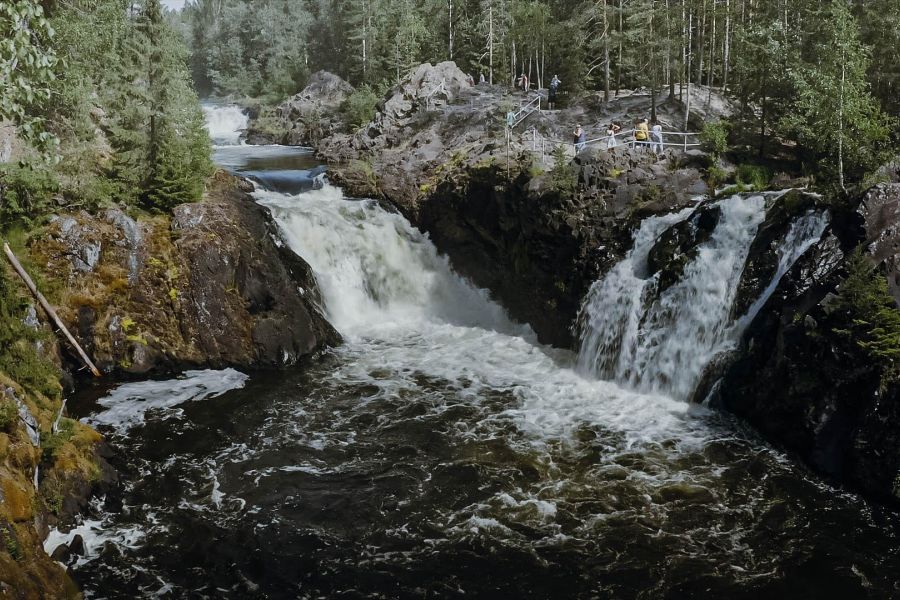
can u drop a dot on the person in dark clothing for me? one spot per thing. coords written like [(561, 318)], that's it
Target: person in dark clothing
[(554, 88)]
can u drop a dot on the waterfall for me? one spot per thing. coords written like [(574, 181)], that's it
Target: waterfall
[(225, 123), (374, 269), (662, 342)]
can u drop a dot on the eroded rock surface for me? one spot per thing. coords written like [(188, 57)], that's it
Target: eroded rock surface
[(213, 285)]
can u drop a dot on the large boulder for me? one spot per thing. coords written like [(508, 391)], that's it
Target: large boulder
[(880, 212), (426, 87), (214, 285), (307, 117)]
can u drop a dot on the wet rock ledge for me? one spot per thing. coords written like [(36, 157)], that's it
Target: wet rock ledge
[(211, 286)]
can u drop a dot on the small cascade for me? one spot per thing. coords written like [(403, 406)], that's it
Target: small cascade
[(661, 342), (225, 123), (804, 232)]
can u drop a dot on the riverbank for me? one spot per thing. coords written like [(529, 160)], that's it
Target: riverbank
[(212, 285)]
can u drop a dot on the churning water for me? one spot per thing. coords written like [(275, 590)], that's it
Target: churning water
[(441, 452)]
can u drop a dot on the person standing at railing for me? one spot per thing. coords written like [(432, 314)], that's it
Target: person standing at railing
[(656, 138), (554, 87), (523, 82), (579, 139), (641, 133), (611, 131)]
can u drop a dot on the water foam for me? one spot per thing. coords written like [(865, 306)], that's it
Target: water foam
[(225, 123), (405, 312), (127, 405)]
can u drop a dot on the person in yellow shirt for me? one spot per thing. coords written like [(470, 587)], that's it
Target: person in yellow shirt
[(642, 133)]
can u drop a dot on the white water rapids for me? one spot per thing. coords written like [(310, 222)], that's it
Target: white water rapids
[(225, 123), (401, 307), (662, 343)]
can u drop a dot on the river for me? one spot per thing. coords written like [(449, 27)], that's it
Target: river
[(441, 452)]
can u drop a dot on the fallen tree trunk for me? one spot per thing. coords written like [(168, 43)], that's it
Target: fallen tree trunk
[(49, 309)]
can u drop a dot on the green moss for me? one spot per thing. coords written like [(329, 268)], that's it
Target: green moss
[(9, 414), (127, 324), (19, 357), (11, 542), (51, 443), (137, 339)]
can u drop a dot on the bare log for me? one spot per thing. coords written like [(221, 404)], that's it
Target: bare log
[(49, 309)]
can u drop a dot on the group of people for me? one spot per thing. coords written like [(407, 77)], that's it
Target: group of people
[(644, 136)]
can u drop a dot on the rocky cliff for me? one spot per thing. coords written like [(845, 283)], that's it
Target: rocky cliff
[(211, 285), (816, 372)]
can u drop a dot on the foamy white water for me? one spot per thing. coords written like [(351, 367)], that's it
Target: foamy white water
[(126, 406), (662, 343), (225, 123), (401, 307)]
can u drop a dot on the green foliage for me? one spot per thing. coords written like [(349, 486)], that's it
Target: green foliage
[(52, 442), (9, 414), (834, 114), (359, 107), (714, 137), (11, 543), (19, 358), (716, 176), (26, 69), (25, 194), (755, 177), (563, 177), (872, 316)]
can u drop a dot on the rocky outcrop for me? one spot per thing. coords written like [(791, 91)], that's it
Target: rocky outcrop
[(537, 248), (803, 377), (49, 468), (212, 285), (880, 211), (308, 117)]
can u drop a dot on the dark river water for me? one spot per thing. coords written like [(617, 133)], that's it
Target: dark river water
[(441, 452)]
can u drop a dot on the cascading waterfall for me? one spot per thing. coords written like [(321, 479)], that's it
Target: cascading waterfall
[(225, 123), (663, 342), (374, 269)]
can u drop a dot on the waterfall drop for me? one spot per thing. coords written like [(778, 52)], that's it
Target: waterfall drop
[(225, 123), (656, 341)]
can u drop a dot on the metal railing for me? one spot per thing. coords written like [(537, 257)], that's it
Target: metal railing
[(525, 111), (622, 139)]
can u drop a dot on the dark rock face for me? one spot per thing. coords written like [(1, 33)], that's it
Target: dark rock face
[(537, 250), (809, 388), (679, 245), (880, 211), (763, 259), (212, 286)]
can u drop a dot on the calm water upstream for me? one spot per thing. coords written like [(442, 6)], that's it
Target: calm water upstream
[(442, 453)]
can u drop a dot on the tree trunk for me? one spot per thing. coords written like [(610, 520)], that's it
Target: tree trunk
[(605, 53), (726, 53), (491, 43), (450, 2), (621, 34)]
